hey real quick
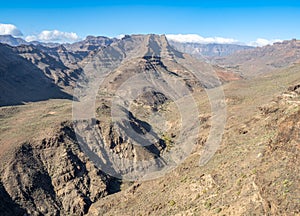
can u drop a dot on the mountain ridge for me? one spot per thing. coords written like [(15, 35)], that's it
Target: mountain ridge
[(201, 50)]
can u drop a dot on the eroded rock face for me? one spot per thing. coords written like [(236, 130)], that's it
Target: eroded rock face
[(53, 177), (279, 183), (7, 205), (152, 99), (115, 150)]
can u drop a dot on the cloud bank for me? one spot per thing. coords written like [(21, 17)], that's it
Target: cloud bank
[(9, 29), (194, 38), (54, 36), (263, 42)]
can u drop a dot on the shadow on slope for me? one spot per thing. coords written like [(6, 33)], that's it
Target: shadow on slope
[(21, 81), (7, 205)]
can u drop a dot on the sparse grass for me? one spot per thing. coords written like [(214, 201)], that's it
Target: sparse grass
[(31, 121), (218, 210), (286, 185), (172, 202), (184, 179), (207, 205), (167, 140)]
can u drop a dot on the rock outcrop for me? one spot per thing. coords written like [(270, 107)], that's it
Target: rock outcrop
[(51, 177)]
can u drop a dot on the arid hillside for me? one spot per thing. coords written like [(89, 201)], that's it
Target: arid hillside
[(153, 112)]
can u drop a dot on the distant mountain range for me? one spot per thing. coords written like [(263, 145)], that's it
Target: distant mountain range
[(209, 50), (262, 59), (12, 41), (90, 43), (93, 42)]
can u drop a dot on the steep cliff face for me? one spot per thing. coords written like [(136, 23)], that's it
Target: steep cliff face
[(52, 177), (57, 64), (37, 72), (46, 172)]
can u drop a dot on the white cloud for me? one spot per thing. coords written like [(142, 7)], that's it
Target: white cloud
[(9, 29), (263, 42), (194, 38), (54, 36), (31, 38), (120, 36)]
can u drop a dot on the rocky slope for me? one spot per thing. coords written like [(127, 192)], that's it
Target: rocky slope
[(44, 171), (59, 65), (43, 71), (141, 87), (255, 171), (56, 177), (150, 78), (23, 80)]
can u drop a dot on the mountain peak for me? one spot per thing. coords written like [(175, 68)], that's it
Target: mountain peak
[(145, 45), (12, 41), (96, 38)]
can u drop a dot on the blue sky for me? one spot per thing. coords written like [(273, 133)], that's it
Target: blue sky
[(238, 20)]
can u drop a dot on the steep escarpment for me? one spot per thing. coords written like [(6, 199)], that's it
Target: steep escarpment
[(57, 64), (51, 177), (47, 170)]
